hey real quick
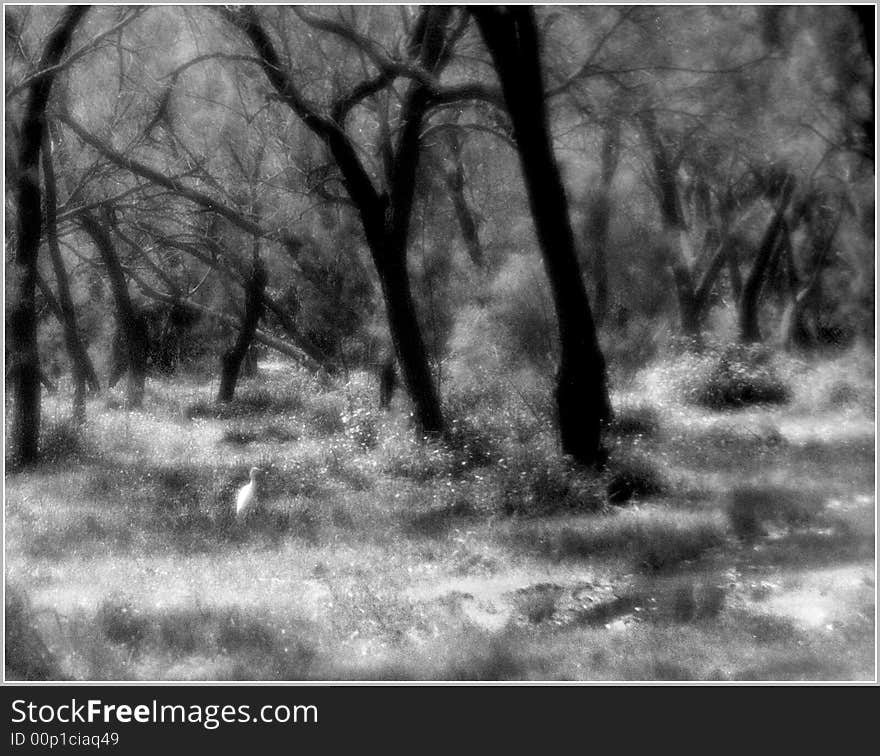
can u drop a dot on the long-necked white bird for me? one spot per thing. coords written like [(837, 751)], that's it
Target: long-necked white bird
[(247, 496)]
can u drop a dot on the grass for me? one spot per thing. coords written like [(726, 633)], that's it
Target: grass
[(26, 655), (487, 557), (653, 539), (632, 476), (247, 403), (637, 420)]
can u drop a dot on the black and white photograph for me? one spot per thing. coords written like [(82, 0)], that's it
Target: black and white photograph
[(439, 343)]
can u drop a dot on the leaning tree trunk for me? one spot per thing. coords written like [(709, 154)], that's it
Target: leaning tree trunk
[(749, 330), (675, 229), (581, 393), (230, 364), (386, 216), (79, 373), (82, 369), (132, 326), (795, 328), (467, 218), (409, 345), (23, 315)]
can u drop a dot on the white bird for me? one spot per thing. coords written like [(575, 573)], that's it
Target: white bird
[(247, 496)]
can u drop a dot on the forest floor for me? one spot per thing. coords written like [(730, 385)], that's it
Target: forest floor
[(374, 558)]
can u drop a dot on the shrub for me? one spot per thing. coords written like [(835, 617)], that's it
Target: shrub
[(842, 394), (741, 376), (501, 404), (469, 446), (537, 481)]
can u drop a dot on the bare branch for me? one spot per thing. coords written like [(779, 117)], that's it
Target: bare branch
[(465, 127), (588, 63), (175, 74), (358, 183), (74, 56), (175, 185), (264, 338)]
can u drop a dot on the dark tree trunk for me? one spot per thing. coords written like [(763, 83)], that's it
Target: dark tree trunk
[(798, 330), (749, 329), (664, 172), (736, 283), (467, 219), (409, 345), (253, 309), (79, 371), (599, 220), (689, 310), (23, 317), (387, 382), (581, 393), (695, 305), (389, 251), (82, 369), (672, 217), (250, 367), (132, 327)]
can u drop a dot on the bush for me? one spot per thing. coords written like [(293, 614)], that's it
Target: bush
[(537, 481), (741, 376), (632, 477), (842, 394), (469, 446)]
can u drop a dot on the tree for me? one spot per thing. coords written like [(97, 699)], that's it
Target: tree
[(23, 321), (764, 258), (83, 370), (385, 215), (598, 217), (253, 309), (132, 328), (582, 399)]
